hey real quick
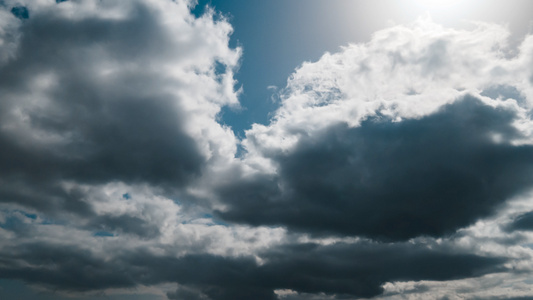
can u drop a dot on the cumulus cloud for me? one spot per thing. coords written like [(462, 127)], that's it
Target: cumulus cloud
[(108, 114), (117, 92), (413, 133), (393, 180)]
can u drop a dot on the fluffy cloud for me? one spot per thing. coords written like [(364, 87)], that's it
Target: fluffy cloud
[(411, 134), (116, 92), (393, 180), (108, 113)]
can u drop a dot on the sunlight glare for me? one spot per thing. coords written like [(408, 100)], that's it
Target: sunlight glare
[(438, 3), (442, 8)]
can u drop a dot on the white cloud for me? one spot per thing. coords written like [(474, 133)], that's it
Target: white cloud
[(406, 71)]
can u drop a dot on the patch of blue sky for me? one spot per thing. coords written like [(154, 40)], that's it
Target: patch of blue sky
[(16, 214), (30, 216), (20, 12), (530, 246), (13, 223), (272, 49), (12, 218)]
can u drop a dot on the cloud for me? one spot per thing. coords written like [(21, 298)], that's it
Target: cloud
[(360, 269), (493, 286), (117, 92), (186, 294), (392, 180), (340, 270), (113, 163), (392, 139)]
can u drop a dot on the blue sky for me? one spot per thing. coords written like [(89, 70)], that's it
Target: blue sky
[(382, 149)]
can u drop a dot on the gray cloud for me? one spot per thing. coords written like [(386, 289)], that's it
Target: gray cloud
[(95, 103), (392, 180), (360, 269), (340, 270), (184, 293), (62, 266), (118, 128)]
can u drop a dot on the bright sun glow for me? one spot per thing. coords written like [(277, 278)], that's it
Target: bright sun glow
[(438, 3), (442, 8)]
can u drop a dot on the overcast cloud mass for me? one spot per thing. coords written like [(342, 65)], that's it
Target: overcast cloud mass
[(399, 168)]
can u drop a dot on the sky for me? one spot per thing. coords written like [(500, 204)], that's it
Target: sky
[(276, 150)]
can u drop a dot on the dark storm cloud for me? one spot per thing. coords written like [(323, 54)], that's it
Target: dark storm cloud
[(341, 270), (392, 180), (46, 196), (121, 127), (66, 267), (361, 269)]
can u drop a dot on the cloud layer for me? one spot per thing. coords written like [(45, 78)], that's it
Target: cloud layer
[(389, 168)]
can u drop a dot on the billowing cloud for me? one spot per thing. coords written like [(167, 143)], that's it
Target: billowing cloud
[(412, 134), (117, 92), (392, 180)]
